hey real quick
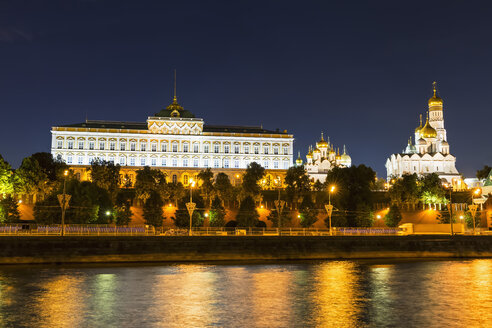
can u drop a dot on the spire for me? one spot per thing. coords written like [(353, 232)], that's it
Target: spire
[(420, 119), (328, 140), (434, 87), (175, 99), (322, 136), (344, 150)]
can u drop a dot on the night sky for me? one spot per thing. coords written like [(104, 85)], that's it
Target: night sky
[(361, 71)]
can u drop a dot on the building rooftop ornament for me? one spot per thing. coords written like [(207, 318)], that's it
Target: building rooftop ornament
[(428, 131), (175, 109), (435, 100)]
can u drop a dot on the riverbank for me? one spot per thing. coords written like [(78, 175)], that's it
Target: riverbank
[(111, 249)]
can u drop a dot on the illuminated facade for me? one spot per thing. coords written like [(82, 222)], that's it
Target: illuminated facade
[(430, 153), (174, 141), (323, 158)]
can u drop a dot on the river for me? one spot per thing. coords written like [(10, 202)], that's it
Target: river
[(285, 294)]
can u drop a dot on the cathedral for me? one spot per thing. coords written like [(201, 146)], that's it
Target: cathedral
[(430, 153), (323, 158)]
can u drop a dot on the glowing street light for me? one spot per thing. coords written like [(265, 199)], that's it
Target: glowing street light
[(329, 207), (191, 206)]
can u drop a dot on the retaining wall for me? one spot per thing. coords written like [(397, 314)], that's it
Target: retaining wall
[(72, 249)]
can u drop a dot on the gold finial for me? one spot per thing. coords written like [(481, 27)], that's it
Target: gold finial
[(322, 136), (434, 87), (338, 151), (344, 150), (420, 119), (175, 99)]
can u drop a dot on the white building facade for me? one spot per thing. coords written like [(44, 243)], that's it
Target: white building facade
[(323, 158), (430, 153), (172, 140)]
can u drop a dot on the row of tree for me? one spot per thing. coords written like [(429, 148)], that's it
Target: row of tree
[(109, 195)]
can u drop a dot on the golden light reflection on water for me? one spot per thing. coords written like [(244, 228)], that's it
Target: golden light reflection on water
[(336, 295), (321, 294), (186, 298), (271, 297), (61, 301)]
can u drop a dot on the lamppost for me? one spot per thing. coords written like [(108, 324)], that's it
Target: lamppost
[(279, 204), (329, 207), (64, 201), (473, 208), (191, 206), (450, 188)]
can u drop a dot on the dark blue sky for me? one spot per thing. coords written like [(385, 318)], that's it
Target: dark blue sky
[(361, 71)]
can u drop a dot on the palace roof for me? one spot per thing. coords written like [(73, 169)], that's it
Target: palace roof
[(96, 124)]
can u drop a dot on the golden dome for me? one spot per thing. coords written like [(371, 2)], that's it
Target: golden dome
[(332, 151), (338, 157), (322, 143), (428, 131), (299, 159), (310, 153), (435, 100), (317, 151)]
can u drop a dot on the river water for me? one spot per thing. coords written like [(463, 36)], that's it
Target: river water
[(289, 294)]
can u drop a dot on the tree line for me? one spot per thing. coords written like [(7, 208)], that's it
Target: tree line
[(109, 195)]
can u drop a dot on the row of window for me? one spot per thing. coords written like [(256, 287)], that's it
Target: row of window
[(185, 162), (175, 147)]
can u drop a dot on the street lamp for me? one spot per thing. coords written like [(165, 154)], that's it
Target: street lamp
[(65, 174), (450, 188), (329, 207), (473, 208), (191, 206), (279, 204)]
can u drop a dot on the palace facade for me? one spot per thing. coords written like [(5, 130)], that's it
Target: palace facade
[(430, 153), (176, 142)]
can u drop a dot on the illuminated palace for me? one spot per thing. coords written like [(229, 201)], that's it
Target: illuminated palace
[(177, 143), (430, 153), (323, 159)]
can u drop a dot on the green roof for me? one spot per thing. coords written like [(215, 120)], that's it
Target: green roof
[(488, 181)]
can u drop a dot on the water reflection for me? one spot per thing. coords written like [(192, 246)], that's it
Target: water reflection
[(317, 294)]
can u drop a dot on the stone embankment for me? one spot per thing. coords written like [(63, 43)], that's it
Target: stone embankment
[(74, 249)]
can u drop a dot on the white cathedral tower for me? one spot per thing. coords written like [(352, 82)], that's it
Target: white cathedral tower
[(430, 154)]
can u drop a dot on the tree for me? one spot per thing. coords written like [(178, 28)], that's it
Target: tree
[(9, 211), (285, 218), (31, 178), (106, 175), (353, 192), (53, 168), (149, 181), (122, 209), (217, 213), (223, 187), (393, 218), (174, 192), (152, 209), (364, 216), (469, 220), (6, 178), (405, 190), (248, 215), (484, 173), (89, 204), (207, 186), (250, 187), (297, 182), (431, 190), (307, 212), (182, 217)]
